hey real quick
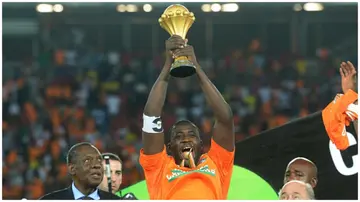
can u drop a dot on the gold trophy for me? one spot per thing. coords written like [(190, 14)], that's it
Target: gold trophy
[(177, 20)]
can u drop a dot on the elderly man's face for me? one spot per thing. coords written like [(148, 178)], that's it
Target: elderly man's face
[(294, 191)]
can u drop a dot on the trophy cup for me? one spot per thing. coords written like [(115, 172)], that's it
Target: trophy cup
[(177, 20)]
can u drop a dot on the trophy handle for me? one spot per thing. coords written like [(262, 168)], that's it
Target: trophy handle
[(182, 67)]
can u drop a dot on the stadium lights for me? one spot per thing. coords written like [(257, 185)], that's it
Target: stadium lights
[(121, 8), (206, 8), (131, 8), (233, 7), (44, 8), (228, 7), (313, 7), (127, 8), (147, 8), (297, 7), (58, 8), (215, 7)]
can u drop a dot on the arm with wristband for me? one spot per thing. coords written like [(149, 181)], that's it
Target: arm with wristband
[(153, 155), (153, 132)]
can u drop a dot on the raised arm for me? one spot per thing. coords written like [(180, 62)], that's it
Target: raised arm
[(224, 126), (348, 81), (153, 133)]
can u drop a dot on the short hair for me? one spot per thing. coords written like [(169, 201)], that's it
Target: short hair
[(72, 153), (112, 156), (308, 187), (180, 123), (303, 159)]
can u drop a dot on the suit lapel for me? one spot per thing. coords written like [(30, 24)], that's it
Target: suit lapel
[(100, 194), (69, 194)]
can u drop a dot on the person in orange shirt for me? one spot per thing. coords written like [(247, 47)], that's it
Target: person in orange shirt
[(187, 173), (343, 109), (349, 82)]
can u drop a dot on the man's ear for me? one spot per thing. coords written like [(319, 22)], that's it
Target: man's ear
[(168, 147), (71, 169), (313, 182)]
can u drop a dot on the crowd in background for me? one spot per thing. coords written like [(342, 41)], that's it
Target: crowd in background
[(65, 96)]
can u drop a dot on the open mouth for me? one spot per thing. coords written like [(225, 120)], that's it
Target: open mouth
[(186, 151)]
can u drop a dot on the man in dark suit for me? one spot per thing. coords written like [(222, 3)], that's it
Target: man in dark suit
[(85, 167)]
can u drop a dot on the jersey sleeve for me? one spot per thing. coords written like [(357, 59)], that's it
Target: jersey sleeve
[(335, 119), (224, 161), (153, 166)]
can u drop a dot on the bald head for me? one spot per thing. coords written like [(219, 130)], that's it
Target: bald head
[(301, 169), (296, 190)]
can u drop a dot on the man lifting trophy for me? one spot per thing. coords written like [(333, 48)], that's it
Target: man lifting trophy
[(179, 169), (177, 20)]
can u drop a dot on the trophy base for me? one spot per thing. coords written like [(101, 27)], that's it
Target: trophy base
[(182, 69)]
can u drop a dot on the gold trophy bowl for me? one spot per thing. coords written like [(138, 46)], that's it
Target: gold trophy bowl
[(177, 20)]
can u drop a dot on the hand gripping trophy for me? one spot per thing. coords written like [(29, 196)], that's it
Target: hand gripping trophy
[(177, 20)]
